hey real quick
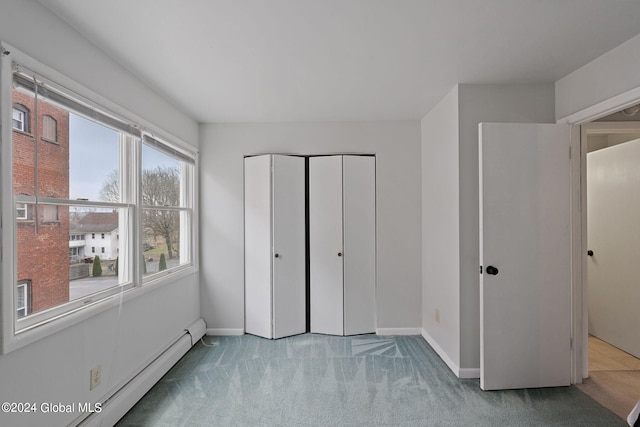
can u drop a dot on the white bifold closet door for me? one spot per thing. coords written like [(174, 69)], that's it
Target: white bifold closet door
[(275, 264), (342, 244)]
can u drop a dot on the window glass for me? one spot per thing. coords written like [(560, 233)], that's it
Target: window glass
[(49, 129), (73, 169), (69, 271), (19, 119), (23, 291), (164, 222), (21, 211), (93, 161), (49, 213), (68, 187)]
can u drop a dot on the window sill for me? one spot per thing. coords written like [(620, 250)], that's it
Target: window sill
[(14, 340), (22, 132), (51, 141)]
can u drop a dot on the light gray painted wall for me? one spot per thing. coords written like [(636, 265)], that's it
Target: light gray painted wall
[(454, 124), (56, 368), (440, 227), (397, 149), (612, 74), (30, 27), (498, 104)]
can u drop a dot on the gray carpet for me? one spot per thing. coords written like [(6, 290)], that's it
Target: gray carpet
[(368, 380)]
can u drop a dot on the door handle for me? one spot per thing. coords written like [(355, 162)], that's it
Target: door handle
[(492, 270), (339, 253), (277, 255), (590, 252)]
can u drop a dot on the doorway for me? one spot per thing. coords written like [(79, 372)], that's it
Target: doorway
[(612, 150)]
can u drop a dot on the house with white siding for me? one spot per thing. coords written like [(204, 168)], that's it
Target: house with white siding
[(96, 233)]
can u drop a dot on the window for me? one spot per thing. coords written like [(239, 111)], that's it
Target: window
[(49, 129), (166, 206), (23, 298), (74, 253), (20, 117), (49, 213), (91, 181), (22, 211)]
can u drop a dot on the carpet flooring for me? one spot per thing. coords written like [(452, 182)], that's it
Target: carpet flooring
[(367, 380)]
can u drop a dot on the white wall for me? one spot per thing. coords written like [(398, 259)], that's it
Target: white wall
[(397, 149), (532, 103), (613, 179), (34, 30), (56, 368), (608, 76), (440, 229), (475, 104)]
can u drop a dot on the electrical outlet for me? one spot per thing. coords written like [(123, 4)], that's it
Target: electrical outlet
[(95, 377), (437, 316)]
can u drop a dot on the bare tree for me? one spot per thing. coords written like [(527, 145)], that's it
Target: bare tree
[(160, 189), (110, 191)]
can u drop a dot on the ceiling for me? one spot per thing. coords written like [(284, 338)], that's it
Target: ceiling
[(326, 60)]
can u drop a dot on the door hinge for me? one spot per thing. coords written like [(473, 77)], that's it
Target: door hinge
[(480, 269), (571, 343), (569, 152)]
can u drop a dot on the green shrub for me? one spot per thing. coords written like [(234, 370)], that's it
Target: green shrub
[(162, 265), (97, 267)]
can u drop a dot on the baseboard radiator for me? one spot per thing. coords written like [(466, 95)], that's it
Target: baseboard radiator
[(125, 397)]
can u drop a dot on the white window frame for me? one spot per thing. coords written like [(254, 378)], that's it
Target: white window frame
[(24, 287), (16, 333), (22, 207), (23, 118), (186, 208)]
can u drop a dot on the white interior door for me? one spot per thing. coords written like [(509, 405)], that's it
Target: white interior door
[(525, 288), (613, 183), (257, 245), (289, 275), (325, 245), (359, 200)]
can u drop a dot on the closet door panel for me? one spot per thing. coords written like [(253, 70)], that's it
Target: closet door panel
[(289, 275), (359, 199), (257, 244), (325, 240)]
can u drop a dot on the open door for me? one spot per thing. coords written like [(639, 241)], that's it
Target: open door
[(525, 256)]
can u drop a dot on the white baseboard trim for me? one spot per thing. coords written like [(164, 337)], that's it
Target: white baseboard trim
[(116, 406), (224, 332), (398, 331), (469, 373), (443, 355)]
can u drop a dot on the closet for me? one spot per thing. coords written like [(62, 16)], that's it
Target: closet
[(342, 244), (274, 241)]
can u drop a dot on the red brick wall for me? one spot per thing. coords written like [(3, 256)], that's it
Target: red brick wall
[(43, 258)]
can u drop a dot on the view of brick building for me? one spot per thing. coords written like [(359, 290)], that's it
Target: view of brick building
[(42, 234)]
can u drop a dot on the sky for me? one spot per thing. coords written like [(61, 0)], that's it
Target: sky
[(93, 154)]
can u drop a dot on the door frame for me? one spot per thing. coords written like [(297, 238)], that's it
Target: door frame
[(592, 128), (581, 122)]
